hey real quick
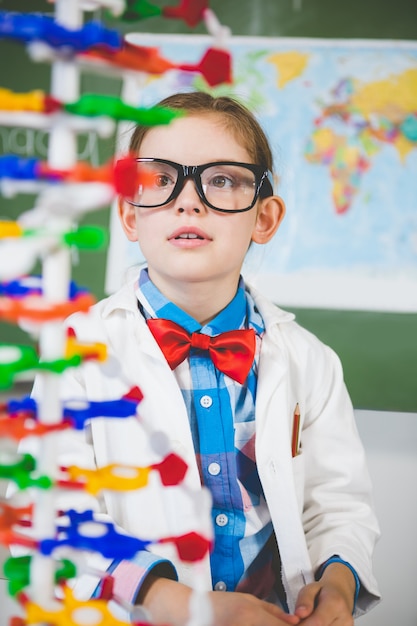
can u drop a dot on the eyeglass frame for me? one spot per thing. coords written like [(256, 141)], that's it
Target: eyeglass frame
[(194, 172)]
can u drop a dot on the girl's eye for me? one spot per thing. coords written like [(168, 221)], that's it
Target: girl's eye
[(162, 180), (221, 181)]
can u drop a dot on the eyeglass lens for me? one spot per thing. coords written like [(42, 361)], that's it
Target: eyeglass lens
[(227, 187)]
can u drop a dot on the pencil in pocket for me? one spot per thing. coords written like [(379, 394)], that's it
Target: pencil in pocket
[(295, 439)]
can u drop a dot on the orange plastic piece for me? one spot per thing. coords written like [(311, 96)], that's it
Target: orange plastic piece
[(19, 427), (139, 58), (10, 515), (36, 309)]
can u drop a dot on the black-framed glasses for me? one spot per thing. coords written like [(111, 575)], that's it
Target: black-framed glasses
[(226, 186)]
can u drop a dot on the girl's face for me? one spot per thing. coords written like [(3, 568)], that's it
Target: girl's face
[(213, 254)]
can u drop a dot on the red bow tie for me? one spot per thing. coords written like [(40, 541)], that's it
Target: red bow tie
[(231, 352)]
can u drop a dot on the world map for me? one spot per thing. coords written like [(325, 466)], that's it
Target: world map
[(341, 117), (373, 115)]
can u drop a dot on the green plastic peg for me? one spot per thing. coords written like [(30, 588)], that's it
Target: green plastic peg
[(17, 571), (139, 9), (87, 238), (13, 360), (60, 365), (93, 105), (18, 467), (10, 464)]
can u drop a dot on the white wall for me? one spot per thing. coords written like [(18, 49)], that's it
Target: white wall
[(390, 440)]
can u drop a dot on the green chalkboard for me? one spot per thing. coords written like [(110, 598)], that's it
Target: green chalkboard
[(378, 350)]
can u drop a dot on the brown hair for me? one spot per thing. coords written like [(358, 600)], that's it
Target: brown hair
[(236, 118)]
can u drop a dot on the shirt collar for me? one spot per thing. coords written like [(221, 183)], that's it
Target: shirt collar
[(239, 313)]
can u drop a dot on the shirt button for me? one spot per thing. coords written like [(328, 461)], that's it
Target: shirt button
[(206, 402), (221, 519), (220, 586), (214, 469)]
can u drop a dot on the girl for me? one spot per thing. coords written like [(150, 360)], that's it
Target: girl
[(267, 426)]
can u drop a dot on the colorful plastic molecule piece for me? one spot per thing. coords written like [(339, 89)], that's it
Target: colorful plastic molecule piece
[(72, 612), (191, 11), (29, 27), (26, 406), (119, 477), (128, 176), (86, 238), (131, 57), (88, 351), (13, 515), (190, 547), (91, 105), (17, 571), (77, 412), (15, 359), (171, 470), (81, 411), (19, 427), (86, 533), (22, 168), (115, 477), (123, 175), (34, 101), (139, 9), (19, 168), (215, 66), (82, 172), (38, 310), (18, 468), (32, 285), (9, 228), (24, 286), (124, 178), (59, 365), (9, 537)]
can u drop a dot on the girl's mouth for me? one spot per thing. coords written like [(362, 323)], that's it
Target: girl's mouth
[(189, 236)]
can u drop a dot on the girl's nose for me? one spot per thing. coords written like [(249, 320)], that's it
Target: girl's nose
[(188, 199)]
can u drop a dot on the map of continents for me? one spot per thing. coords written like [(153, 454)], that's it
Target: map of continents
[(341, 117), (358, 120), (361, 119)]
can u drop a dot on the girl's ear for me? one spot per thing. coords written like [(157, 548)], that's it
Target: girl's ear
[(270, 214), (127, 218)]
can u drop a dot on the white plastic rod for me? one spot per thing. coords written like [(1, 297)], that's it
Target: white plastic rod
[(56, 274)]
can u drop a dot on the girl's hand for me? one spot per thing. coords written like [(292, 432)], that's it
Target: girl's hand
[(329, 600), (167, 602)]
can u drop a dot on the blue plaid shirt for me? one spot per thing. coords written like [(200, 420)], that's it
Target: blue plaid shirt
[(222, 422)]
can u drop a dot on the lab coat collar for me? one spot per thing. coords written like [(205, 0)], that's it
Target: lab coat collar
[(125, 299)]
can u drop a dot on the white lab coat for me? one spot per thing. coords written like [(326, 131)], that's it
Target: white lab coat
[(319, 500)]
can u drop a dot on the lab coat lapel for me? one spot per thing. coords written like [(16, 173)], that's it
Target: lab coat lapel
[(274, 414)]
